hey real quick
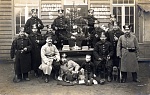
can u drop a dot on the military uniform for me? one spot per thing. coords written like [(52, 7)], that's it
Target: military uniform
[(102, 51), (128, 51), (31, 21), (51, 33), (113, 37), (96, 35), (61, 24), (38, 41), (22, 57)]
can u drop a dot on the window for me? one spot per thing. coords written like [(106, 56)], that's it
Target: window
[(123, 1), (22, 12)]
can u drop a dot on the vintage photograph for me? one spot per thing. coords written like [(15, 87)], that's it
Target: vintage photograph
[(75, 47)]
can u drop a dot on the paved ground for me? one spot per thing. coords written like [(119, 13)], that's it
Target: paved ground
[(37, 87)]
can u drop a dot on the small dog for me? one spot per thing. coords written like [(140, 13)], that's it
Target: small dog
[(115, 73)]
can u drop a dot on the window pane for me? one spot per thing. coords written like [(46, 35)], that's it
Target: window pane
[(126, 19), (132, 27), (131, 10), (126, 10), (120, 21), (114, 10), (131, 1), (126, 1), (131, 19), (119, 11), (114, 1), (17, 29), (17, 19), (120, 1)]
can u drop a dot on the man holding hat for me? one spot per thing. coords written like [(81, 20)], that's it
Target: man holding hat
[(33, 20), (38, 41), (103, 52), (128, 51), (50, 59), (60, 25)]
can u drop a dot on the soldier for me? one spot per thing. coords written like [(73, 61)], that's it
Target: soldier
[(128, 51), (112, 22), (113, 37), (69, 69), (103, 52), (20, 52), (91, 20), (96, 33), (38, 41), (51, 32), (33, 20), (50, 59), (60, 25)]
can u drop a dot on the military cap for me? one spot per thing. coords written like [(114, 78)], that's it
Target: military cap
[(34, 10), (64, 55), (90, 10), (48, 36), (126, 27), (112, 16), (60, 11)]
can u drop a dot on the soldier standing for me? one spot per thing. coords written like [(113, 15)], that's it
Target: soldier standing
[(60, 25), (38, 41), (33, 20), (128, 51), (113, 37), (103, 52), (20, 52), (112, 22), (91, 20)]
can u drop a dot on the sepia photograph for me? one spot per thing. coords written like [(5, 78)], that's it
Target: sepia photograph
[(74, 47)]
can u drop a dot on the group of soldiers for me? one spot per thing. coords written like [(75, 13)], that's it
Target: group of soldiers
[(112, 47)]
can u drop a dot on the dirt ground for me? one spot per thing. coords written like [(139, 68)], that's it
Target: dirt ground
[(36, 86)]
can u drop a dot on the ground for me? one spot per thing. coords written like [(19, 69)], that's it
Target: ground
[(37, 86)]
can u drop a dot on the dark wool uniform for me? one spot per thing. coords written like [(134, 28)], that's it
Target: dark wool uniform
[(102, 50), (30, 22), (91, 19), (89, 70), (35, 52), (96, 35), (22, 58), (111, 35), (61, 23)]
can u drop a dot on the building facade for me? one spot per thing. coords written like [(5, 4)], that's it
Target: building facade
[(14, 14)]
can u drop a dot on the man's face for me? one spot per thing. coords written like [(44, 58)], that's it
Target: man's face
[(127, 31), (88, 58), (34, 14), (115, 27), (103, 39), (49, 40), (96, 25), (60, 14), (21, 33), (64, 60)]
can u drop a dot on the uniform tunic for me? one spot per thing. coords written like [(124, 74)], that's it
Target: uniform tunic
[(36, 51), (129, 62), (47, 54), (30, 22), (22, 59), (111, 35)]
